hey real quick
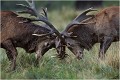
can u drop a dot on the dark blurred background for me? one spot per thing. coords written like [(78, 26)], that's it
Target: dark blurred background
[(54, 5)]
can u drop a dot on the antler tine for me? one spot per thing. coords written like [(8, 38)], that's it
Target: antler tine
[(83, 15), (45, 12), (31, 9), (31, 3), (32, 6), (28, 10)]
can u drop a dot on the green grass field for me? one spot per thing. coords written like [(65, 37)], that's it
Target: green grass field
[(90, 67)]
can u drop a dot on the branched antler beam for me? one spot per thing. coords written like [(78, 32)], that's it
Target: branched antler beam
[(84, 15), (40, 17)]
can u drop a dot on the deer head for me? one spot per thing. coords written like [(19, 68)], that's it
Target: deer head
[(40, 17), (69, 37)]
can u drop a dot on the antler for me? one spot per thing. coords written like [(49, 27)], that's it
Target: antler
[(79, 20), (31, 10), (42, 17), (83, 16)]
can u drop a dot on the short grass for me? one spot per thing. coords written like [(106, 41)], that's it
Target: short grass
[(90, 67)]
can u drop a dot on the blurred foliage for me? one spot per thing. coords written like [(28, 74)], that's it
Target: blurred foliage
[(51, 5), (111, 3)]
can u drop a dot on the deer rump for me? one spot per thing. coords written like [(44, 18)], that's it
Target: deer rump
[(86, 30)]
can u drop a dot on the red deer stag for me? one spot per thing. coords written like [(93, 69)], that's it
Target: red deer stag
[(86, 30), (21, 32)]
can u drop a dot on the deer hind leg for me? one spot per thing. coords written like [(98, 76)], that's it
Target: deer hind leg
[(104, 45), (11, 53)]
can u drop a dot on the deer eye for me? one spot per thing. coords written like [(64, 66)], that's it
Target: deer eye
[(69, 44), (46, 44)]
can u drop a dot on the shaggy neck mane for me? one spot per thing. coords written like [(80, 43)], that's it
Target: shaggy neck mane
[(84, 35)]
